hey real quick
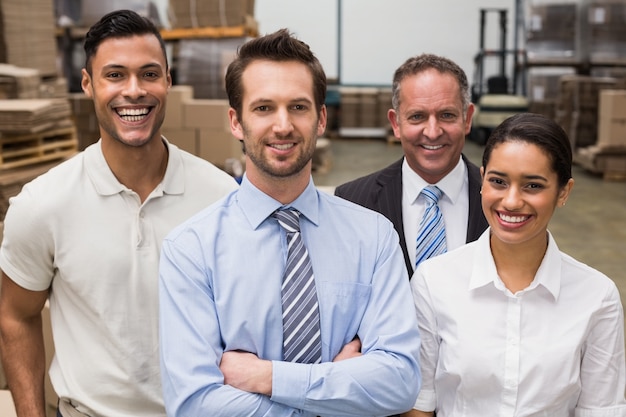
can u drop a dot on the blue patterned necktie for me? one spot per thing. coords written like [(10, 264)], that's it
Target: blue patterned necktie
[(431, 238), (301, 323)]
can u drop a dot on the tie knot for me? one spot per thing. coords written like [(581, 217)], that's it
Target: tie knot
[(432, 193), (289, 219)]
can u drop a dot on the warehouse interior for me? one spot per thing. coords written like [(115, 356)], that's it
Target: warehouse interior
[(565, 59)]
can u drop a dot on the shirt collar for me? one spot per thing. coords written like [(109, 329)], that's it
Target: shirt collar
[(106, 184), (451, 185), (258, 206), (174, 179), (548, 275)]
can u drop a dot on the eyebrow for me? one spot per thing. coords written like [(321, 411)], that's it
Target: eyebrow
[(530, 177), (269, 100), (143, 67)]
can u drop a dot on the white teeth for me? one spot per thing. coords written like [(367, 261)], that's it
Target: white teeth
[(133, 112), (283, 147), (513, 219), (432, 148)]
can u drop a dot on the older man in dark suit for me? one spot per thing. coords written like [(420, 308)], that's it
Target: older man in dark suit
[(431, 116)]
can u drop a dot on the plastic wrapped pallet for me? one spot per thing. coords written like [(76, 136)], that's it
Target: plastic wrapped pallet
[(607, 31), (202, 64), (554, 31), (93, 10)]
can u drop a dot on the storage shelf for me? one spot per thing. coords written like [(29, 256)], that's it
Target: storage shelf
[(209, 32), (77, 33)]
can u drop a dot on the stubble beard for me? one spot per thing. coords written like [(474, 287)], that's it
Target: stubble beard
[(265, 165)]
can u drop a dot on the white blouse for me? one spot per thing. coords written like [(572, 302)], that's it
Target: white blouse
[(553, 349)]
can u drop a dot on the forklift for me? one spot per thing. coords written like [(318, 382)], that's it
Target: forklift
[(496, 99)]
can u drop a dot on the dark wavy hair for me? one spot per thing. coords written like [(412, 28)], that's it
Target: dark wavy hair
[(538, 130)]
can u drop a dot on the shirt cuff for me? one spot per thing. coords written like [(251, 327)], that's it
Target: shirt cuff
[(290, 383), (618, 411), (426, 401)]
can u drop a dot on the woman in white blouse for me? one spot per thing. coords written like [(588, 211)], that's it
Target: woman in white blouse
[(510, 325)]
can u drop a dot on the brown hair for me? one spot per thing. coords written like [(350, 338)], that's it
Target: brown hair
[(278, 46)]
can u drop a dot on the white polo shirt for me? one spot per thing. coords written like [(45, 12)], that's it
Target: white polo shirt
[(77, 229)]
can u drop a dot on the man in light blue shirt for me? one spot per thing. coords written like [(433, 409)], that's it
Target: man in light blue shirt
[(221, 272)]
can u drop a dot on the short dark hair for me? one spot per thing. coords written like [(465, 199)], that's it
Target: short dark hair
[(538, 130), (278, 46), (423, 62), (119, 24)]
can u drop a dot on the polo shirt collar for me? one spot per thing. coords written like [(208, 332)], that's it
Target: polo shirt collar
[(106, 184)]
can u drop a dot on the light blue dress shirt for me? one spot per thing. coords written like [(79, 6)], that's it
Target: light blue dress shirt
[(220, 279)]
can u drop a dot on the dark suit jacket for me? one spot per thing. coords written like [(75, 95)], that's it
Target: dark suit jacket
[(381, 191)]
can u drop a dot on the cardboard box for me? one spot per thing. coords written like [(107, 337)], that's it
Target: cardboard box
[(217, 146), (7, 408), (187, 14), (612, 118), (177, 95), (184, 138), (206, 114)]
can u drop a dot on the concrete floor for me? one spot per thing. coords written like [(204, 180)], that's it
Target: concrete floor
[(591, 227)]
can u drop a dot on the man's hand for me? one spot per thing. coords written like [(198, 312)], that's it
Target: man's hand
[(350, 350), (245, 371)]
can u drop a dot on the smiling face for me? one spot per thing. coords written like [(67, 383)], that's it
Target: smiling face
[(520, 192), (430, 123), (129, 81), (279, 122)]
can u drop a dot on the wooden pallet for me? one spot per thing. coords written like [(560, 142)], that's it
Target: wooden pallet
[(18, 150), (610, 163)]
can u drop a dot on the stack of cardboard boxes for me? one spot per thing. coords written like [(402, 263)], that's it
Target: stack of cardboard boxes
[(18, 82), (363, 111), (27, 35), (202, 62), (84, 115), (608, 155), (200, 126), (577, 107), (33, 131), (193, 14)]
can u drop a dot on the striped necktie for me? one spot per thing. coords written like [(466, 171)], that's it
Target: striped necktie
[(431, 238), (301, 321)]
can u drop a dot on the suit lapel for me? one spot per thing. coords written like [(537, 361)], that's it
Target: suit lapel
[(389, 203), (476, 222)]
